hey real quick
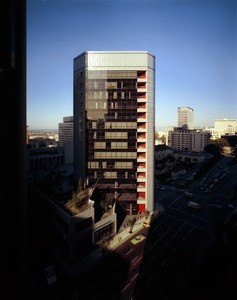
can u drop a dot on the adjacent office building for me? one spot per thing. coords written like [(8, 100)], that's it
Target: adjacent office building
[(65, 131), (185, 117), (114, 126)]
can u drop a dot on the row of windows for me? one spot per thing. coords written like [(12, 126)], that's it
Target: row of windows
[(122, 115), (116, 135), (109, 74), (113, 164), (91, 95), (100, 134), (112, 84), (112, 105), (112, 175), (115, 155), (112, 116), (113, 145), (114, 125)]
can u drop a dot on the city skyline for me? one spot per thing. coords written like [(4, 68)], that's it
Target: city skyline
[(194, 43)]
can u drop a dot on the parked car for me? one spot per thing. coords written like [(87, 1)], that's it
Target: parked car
[(50, 275), (194, 205), (188, 194), (160, 187), (215, 206), (146, 224)]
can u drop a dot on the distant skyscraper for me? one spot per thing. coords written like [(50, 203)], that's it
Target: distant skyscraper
[(65, 133), (185, 117), (65, 130), (114, 125)]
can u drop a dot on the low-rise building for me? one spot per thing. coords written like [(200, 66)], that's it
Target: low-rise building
[(74, 228), (44, 159)]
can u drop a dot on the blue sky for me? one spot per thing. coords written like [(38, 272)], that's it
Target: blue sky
[(194, 42)]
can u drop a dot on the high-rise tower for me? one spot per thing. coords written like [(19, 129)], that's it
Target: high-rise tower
[(185, 117), (114, 122)]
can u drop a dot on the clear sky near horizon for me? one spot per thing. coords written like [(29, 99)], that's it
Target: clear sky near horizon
[(194, 42)]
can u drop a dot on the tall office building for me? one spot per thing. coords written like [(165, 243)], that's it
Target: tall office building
[(114, 128), (185, 117)]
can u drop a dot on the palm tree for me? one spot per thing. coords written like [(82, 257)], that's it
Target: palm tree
[(131, 223), (147, 214), (79, 186)]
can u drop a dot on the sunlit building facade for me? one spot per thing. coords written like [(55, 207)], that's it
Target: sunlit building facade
[(65, 134), (114, 126), (185, 139), (223, 127), (65, 131)]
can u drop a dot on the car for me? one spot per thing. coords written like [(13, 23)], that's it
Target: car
[(138, 239), (188, 194), (194, 205), (160, 187), (231, 206), (146, 224), (50, 275), (215, 206)]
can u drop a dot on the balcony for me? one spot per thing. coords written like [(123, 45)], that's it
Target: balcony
[(141, 127), (141, 85), (141, 74), (141, 95)]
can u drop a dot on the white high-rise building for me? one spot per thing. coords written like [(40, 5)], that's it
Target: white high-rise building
[(114, 125), (185, 117)]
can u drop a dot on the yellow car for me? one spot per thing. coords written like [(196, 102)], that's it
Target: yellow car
[(146, 224), (138, 239)]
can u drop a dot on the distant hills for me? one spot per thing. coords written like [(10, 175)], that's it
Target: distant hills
[(43, 130)]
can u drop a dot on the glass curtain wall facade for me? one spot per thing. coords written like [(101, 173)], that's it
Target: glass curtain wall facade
[(112, 119)]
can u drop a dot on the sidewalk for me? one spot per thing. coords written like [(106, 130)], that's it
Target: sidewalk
[(125, 233)]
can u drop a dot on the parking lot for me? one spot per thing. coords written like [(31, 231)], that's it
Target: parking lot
[(213, 193)]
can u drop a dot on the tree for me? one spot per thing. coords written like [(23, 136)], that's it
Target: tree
[(74, 199), (79, 186), (163, 139), (131, 223), (147, 214)]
